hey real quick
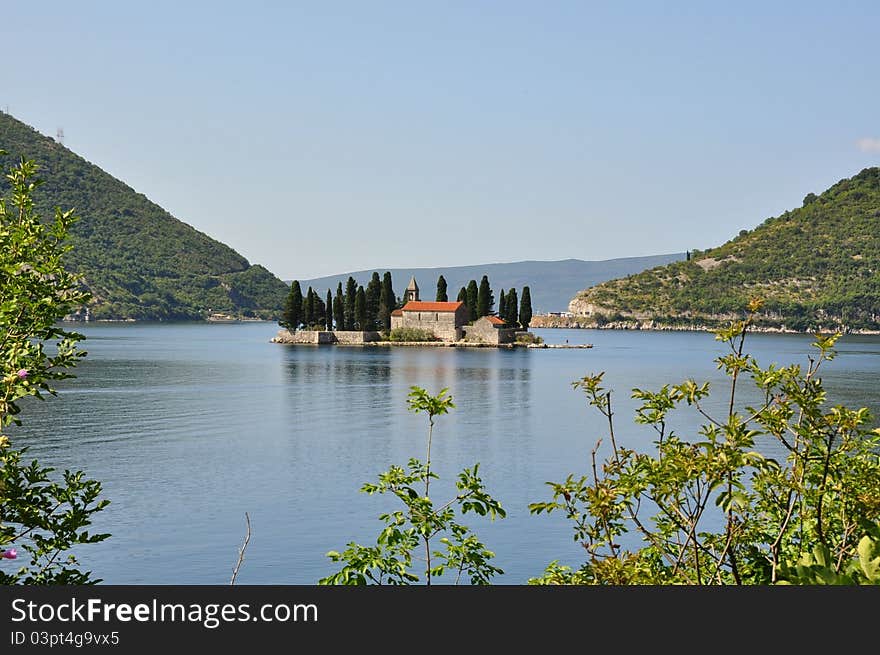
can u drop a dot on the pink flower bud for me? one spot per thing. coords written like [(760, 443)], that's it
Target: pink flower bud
[(22, 373), (10, 554)]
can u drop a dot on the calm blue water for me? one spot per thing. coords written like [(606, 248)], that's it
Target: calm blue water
[(189, 426)]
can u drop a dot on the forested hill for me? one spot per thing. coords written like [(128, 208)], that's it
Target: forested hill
[(817, 266), (138, 260)]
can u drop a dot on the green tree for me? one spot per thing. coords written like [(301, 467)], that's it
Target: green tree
[(350, 294), (360, 309), (420, 521), (525, 308), (510, 316), (387, 302), (320, 311), (41, 517), (485, 300), (502, 305), (373, 293), (291, 317), (309, 309), (472, 293), (330, 312), (339, 308), (720, 511), (441, 290), (462, 295)]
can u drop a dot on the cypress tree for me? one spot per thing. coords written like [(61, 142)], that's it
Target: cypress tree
[(350, 293), (387, 301), (485, 301), (441, 290), (339, 308), (320, 312), (329, 311), (372, 293), (472, 300), (292, 314), (309, 309), (502, 307), (360, 309), (512, 309), (525, 309), (462, 296)]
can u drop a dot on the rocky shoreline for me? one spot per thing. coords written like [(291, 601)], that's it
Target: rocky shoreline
[(585, 323)]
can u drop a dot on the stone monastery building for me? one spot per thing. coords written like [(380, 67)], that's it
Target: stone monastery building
[(447, 320)]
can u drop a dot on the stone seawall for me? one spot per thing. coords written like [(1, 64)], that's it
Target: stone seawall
[(315, 337)]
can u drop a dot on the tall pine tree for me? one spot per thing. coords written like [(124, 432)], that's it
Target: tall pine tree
[(387, 301), (502, 307), (329, 315), (372, 293), (472, 293), (485, 301), (309, 309), (525, 309), (360, 309), (462, 295), (320, 312), (441, 290), (350, 293), (292, 314), (339, 308), (512, 309)]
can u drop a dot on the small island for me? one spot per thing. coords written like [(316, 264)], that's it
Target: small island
[(366, 317)]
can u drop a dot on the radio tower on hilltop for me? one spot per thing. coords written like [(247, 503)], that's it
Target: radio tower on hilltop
[(59, 135)]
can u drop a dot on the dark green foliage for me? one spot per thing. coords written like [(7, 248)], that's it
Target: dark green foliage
[(387, 302), (485, 300), (525, 308), (462, 295), (319, 318), (512, 313), (372, 294), (502, 305), (292, 315), (136, 259), (309, 309), (350, 294), (815, 266), (441, 290), (329, 310), (339, 308), (472, 293), (360, 309)]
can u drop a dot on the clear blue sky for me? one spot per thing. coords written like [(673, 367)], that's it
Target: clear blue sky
[(318, 138)]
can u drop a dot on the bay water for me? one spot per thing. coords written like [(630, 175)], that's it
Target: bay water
[(189, 426)]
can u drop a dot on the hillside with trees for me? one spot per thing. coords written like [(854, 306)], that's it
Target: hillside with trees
[(817, 266), (137, 260)]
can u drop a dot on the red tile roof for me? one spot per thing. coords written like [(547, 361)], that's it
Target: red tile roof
[(418, 306), (495, 320), (397, 312)]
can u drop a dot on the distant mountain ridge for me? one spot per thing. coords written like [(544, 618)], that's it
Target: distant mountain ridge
[(138, 261), (552, 284), (816, 267)]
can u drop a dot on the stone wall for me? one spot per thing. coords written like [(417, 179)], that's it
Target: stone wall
[(354, 337), (325, 337)]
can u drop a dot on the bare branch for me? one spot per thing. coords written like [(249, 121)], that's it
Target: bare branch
[(247, 538)]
